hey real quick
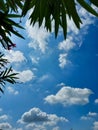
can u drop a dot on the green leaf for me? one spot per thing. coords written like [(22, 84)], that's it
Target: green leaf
[(56, 16), (87, 7), (26, 7), (13, 15), (64, 21), (95, 2), (1, 90), (2, 5), (72, 12)]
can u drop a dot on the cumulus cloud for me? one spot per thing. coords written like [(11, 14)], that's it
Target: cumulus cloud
[(39, 36), (12, 91), (70, 96), (3, 117), (5, 126), (67, 44), (35, 115), (95, 125), (15, 56), (25, 76)]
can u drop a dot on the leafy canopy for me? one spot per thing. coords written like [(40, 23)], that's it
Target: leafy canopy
[(42, 10)]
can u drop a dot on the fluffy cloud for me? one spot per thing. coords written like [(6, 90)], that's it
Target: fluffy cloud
[(3, 117), (15, 56), (70, 96), (67, 44), (36, 115), (25, 76), (12, 91), (38, 36), (95, 125), (5, 126), (36, 119)]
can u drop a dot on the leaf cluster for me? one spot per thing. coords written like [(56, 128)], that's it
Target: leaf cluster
[(57, 11), (6, 74), (43, 11), (8, 11)]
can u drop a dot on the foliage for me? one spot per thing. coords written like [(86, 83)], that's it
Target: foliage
[(6, 74), (43, 11), (9, 10), (57, 11)]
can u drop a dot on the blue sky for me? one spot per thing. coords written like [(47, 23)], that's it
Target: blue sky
[(57, 87)]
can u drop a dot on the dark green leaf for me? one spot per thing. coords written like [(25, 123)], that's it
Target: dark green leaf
[(87, 7)]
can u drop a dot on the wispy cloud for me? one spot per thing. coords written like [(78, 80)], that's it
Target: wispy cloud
[(39, 36), (12, 91), (89, 116), (44, 77), (35, 60), (63, 60), (70, 96), (96, 101)]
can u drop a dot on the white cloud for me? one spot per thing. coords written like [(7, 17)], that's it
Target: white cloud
[(3, 117), (35, 60), (63, 60), (85, 118), (25, 76), (67, 44), (75, 37), (36, 118), (70, 96), (44, 77), (12, 91), (95, 125), (96, 101), (89, 116), (15, 56), (39, 36), (61, 84), (5, 126), (92, 114)]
